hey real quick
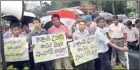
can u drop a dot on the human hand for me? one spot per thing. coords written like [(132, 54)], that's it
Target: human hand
[(123, 49), (32, 46)]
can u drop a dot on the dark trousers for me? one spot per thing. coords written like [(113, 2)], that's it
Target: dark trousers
[(103, 63), (19, 64), (109, 52), (132, 45), (87, 66), (44, 65), (31, 61)]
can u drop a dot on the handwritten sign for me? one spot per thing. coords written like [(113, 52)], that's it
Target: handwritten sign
[(16, 49), (49, 47), (83, 50)]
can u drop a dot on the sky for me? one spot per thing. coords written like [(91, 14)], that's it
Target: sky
[(33, 4)]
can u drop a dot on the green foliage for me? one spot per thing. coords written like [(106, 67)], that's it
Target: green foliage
[(131, 10), (108, 7), (120, 7), (75, 3), (42, 10)]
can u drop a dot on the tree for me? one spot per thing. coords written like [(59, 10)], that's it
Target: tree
[(55, 5), (108, 7), (74, 3), (120, 7), (41, 10)]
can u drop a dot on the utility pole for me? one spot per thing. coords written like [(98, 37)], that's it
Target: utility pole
[(113, 8), (138, 7)]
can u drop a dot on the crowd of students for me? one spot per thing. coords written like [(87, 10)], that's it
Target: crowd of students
[(111, 36)]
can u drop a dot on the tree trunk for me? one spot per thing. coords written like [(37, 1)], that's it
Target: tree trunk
[(138, 7)]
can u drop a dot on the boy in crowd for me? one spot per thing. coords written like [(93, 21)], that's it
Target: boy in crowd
[(15, 29), (25, 29), (36, 32), (131, 36), (7, 33), (81, 33), (101, 43)]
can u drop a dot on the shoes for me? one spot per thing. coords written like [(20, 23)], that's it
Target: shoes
[(123, 65)]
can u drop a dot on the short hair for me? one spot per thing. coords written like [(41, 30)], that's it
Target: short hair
[(129, 23), (36, 19), (55, 15), (94, 15), (14, 25), (99, 18), (137, 21), (23, 25), (7, 27), (115, 17), (48, 25), (109, 20), (81, 21)]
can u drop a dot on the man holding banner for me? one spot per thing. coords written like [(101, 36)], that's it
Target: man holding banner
[(101, 44), (37, 32), (58, 28), (81, 33)]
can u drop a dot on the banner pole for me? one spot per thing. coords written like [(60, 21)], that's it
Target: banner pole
[(2, 49)]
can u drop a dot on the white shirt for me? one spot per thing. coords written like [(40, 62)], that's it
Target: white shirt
[(101, 40), (137, 32), (80, 35), (131, 34), (7, 34), (116, 31)]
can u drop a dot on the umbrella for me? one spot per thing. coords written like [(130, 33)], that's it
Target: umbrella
[(66, 17), (28, 16), (9, 17), (74, 10), (106, 15)]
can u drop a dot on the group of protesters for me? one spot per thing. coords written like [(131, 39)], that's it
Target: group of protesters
[(112, 36)]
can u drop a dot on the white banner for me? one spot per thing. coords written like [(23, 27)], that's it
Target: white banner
[(49, 47), (16, 49), (83, 50)]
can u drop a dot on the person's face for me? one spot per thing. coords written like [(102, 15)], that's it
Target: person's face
[(101, 23), (88, 23), (26, 28), (16, 31), (116, 21), (56, 21), (82, 26), (36, 24), (129, 26)]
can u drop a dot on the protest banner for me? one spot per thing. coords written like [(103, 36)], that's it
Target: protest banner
[(83, 50), (49, 47), (16, 49)]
